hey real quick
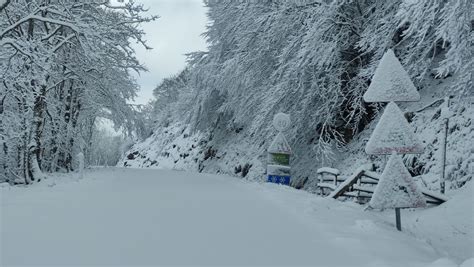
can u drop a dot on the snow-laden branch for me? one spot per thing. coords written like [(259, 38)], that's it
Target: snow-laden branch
[(66, 40), (16, 46), (39, 18)]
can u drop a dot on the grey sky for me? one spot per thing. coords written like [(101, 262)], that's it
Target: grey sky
[(174, 34)]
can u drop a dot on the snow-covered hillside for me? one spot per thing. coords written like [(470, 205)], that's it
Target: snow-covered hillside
[(238, 154), (134, 217), (174, 147), (315, 61)]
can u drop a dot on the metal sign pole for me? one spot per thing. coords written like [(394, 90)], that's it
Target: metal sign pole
[(443, 149), (398, 219)]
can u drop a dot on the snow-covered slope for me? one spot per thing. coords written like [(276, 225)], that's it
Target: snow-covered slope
[(174, 147), (237, 153), (153, 217), (167, 148)]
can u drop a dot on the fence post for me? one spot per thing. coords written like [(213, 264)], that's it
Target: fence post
[(318, 181)]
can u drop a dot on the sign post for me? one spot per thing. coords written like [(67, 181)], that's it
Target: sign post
[(393, 135), (445, 113), (398, 219), (279, 152)]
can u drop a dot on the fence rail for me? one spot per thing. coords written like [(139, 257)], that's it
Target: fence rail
[(360, 185)]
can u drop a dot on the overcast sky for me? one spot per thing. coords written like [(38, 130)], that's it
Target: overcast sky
[(177, 32)]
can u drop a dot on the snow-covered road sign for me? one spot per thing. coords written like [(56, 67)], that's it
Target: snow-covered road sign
[(391, 82), (278, 170), (279, 159), (279, 152), (281, 122), (280, 145), (396, 188), (278, 179), (393, 134), (279, 174)]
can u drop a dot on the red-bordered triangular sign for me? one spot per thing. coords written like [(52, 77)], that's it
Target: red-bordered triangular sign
[(393, 134)]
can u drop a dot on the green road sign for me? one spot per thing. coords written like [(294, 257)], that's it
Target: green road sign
[(279, 159)]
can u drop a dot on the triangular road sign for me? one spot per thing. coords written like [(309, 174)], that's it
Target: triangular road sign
[(280, 145), (396, 188), (393, 134), (391, 82)]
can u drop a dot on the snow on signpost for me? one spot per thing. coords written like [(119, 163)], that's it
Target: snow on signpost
[(396, 188), (278, 162)]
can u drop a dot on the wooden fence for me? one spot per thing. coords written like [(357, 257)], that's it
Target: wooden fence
[(360, 186)]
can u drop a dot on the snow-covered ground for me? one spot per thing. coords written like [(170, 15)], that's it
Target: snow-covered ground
[(156, 217)]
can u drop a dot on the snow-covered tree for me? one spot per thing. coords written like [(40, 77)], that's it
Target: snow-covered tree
[(313, 60), (62, 65), (107, 148)]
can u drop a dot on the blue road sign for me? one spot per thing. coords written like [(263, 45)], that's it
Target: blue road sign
[(278, 179)]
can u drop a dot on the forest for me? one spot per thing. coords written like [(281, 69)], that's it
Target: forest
[(63, 66)]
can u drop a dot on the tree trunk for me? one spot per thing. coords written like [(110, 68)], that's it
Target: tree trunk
[(3, 144), (38, 124)]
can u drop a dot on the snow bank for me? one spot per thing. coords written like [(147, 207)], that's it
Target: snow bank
[(449, 228), (175, 147), (168, 148)]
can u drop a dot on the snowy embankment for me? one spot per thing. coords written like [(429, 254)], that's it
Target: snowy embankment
[(153, 217), (237, 154), (176, 147)]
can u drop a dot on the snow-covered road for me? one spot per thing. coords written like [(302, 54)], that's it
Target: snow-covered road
[(156, 217)]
